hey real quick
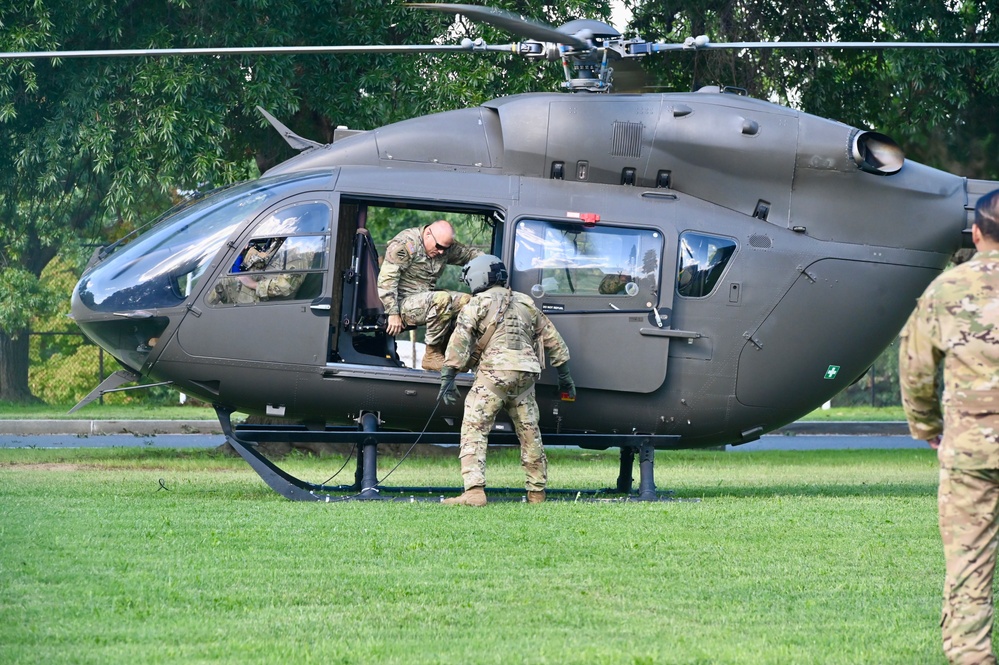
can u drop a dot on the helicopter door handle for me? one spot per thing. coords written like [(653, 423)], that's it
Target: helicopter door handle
[(669, 332), (321, 304)]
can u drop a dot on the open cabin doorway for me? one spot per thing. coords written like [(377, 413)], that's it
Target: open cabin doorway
[(366, 226)]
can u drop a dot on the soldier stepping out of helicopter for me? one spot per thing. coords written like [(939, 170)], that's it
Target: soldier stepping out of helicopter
[(414, 261)]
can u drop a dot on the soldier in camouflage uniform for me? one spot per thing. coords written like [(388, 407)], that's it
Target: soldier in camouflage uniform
[(956, 325), (414, 261), (261, 256), (507, 336)]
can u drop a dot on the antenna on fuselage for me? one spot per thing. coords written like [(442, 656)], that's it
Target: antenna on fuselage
[(293, 139)]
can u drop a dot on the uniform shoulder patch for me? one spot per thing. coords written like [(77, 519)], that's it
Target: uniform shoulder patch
[(398, 252)]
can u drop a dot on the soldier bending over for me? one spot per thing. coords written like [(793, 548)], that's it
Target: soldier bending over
[(510, 336)]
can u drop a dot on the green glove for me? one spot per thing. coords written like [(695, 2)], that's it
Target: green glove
[(448, 393), (566, 386)]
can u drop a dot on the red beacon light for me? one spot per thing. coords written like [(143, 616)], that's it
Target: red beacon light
[(589, 219)]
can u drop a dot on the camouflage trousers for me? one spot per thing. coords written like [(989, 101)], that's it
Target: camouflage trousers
[(435, 309), (494, 390), (969, 516)]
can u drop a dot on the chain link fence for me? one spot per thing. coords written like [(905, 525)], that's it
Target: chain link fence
[(65, 366), (878, 387)]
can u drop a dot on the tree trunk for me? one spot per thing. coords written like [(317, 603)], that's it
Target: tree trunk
[(14, 369)]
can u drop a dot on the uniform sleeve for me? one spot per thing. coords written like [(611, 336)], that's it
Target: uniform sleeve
[(279, 286), (551, 340), (284, 285), (918, 361), (463, 340), (397, 259), (459, 254)]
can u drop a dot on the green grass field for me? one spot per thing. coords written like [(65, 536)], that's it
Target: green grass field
[(772, 557)]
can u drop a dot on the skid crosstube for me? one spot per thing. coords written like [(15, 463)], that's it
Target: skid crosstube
[(366, 437)]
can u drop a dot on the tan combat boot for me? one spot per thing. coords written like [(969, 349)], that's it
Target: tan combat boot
[(536, 497), (433, 358), (475, 496)]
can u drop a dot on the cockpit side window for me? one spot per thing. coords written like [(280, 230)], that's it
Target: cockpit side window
[(703, 259), (587, 267), (163, 266), (284, 259)]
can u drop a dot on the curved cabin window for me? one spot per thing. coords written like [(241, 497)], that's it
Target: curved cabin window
[(162, 267), (284, 259), (587, 267), (702, 261)]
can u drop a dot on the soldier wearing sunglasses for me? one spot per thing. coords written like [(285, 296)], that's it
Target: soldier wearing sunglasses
[(414, 261)]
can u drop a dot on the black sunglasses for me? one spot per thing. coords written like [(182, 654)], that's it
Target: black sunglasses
[(439, 246)]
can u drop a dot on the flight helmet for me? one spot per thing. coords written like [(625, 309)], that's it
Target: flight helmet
[(484, 271)]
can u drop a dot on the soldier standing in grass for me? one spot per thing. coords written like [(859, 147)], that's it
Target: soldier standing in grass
[(510, 336), (956, 325), (414, 261)]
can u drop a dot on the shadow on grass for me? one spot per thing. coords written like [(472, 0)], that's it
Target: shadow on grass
[(692, 475), (811, 490), (688, 495)]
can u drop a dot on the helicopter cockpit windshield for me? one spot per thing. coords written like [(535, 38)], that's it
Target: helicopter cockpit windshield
[(162, 267), (119, 302)]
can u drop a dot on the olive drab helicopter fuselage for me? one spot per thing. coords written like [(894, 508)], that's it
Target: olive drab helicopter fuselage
[(718, 266)]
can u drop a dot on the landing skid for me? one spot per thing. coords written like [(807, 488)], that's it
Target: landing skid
[(366, 438), (646, 470)]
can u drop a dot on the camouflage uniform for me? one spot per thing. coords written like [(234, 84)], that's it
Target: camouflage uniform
[(407, 279), (269, 286), (231, 290), (508, 367), (956, 324)]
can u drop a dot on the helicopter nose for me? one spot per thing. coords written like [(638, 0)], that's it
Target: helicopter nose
[(128, 335)]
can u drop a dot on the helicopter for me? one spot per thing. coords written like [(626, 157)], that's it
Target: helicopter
[(718, 265)]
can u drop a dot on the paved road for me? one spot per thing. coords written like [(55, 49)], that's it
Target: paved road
[(109, 433), (828, 442), (111, 440)]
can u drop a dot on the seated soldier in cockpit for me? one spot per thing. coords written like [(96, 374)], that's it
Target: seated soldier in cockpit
[(260, 256)]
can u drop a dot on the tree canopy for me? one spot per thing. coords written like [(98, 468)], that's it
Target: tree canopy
[(90, 147)]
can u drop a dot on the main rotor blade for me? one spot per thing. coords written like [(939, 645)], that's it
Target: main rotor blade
[(500, 18), (703, 44), (262, 50)]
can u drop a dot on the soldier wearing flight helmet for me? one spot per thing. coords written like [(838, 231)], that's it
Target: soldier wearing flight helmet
[(506, 336)]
